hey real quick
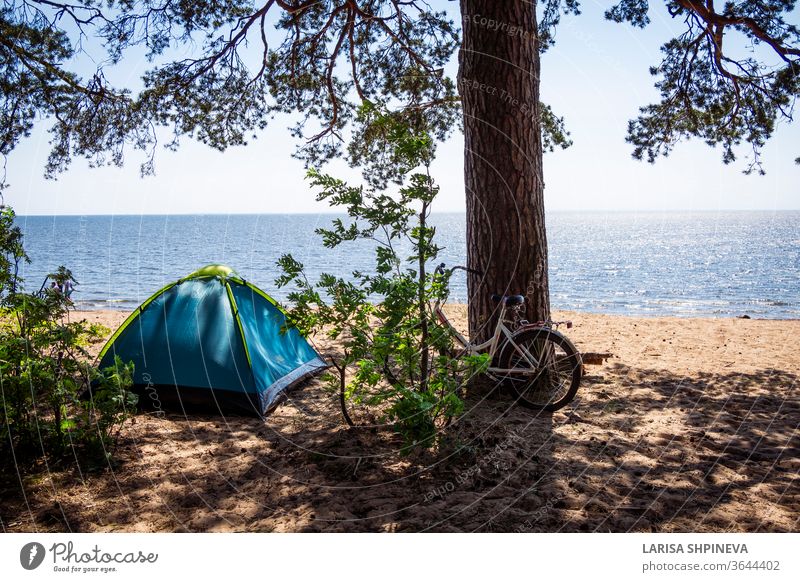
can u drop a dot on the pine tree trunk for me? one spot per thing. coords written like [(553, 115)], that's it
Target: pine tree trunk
[(499, 86)]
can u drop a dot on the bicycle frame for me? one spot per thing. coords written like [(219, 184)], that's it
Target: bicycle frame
[(493, 344), (506, 338)]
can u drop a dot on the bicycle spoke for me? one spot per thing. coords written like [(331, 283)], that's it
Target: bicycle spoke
[(528, 359), (546, 370)]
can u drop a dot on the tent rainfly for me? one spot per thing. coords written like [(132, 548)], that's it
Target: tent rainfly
[(211, 340)]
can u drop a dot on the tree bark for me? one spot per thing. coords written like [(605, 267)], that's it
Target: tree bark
[(499, 86)]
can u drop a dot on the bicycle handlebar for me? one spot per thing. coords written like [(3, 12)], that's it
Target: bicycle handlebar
[(440, 270)]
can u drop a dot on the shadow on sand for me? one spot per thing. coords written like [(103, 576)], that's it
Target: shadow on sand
[(640, 450)]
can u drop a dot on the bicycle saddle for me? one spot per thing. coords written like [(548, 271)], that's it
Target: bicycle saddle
[(509, 299)]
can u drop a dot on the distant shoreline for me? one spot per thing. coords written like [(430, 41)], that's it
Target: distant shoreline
[(561, 313)]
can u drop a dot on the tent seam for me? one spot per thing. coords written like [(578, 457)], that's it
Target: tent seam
[(235, 309)]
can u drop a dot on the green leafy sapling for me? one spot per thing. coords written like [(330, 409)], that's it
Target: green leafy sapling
[(394, 359)]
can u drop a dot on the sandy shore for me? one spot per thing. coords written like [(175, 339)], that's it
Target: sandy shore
[(692, 425)]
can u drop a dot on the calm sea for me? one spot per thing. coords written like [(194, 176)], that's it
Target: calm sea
[(685, 264)]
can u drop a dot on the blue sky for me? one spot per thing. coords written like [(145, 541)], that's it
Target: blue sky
[(596, 77)]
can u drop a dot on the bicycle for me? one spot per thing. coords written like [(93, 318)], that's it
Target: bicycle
[(540, 365)]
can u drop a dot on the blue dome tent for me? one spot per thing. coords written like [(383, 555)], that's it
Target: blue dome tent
[(212, 340)]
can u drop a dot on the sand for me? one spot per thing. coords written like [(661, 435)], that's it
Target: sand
[(692, 425)]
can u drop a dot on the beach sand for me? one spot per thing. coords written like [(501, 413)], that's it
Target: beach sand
[(692, 425)]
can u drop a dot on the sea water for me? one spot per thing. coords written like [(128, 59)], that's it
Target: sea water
[(670, 263)]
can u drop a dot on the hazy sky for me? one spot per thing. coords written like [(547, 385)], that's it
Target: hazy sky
[(596, 76)]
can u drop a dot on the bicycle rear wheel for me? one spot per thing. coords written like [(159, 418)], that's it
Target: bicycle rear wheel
[(549, 368)]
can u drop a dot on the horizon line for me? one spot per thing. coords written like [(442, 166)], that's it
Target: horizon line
[(323, 213), (441, 212)]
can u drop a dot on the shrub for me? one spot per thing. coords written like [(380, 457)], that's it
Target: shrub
[(45, 369)]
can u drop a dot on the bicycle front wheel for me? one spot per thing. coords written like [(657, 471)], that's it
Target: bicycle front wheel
[(543, 368)]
